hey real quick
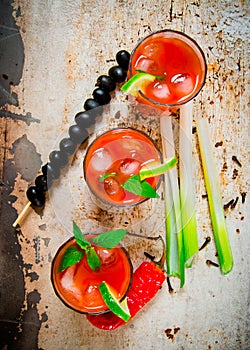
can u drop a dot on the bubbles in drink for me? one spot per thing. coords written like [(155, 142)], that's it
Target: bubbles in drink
[(183, 83), (101, 159)]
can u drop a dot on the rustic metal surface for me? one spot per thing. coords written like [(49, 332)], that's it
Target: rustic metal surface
[(51, 53)]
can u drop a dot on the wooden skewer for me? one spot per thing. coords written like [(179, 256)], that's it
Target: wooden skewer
[(21, 215)]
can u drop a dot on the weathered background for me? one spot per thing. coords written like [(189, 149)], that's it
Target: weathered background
[(51, 53)]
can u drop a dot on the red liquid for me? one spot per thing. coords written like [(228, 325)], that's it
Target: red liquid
[(177, 60), (122, 152), (77, 285)]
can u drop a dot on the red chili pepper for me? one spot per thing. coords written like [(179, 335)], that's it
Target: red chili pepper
[(146, 282)]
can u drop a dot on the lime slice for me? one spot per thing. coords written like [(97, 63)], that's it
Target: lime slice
[(120, 309), (159, 169), (137, 82)]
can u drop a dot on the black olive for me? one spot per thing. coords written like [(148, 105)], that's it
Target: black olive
[(58, 159), (85, 119), (53, 172), (105, 82), (101, 96), (118, 74), (44, 169), (122, 58), (41, 183), (67, 146), (77, 134), (35, 196), (90, 103)]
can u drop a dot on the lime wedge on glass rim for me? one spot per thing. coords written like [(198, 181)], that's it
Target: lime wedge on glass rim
[(137, 82), (148, 171), (120, 309)]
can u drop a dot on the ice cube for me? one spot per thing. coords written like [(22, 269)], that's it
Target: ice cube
[(67, 279), (107, 256), (113, 189), (129, 166), (183, 83), (147, 65), (67, 282), (111, 186), (91, 293), (132, 145), (101, 159), (153, 50), (160, 91)]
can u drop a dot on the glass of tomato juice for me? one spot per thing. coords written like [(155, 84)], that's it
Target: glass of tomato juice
[(77, 285), (120, 152), (178, 63)]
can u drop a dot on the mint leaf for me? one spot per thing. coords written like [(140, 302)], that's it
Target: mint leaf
[(109, 239), (104, 176), (93, 259), (79, 237), (141, 188), (71, 256), (148, 191)]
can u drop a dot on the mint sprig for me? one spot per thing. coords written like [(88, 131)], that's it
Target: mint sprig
[(74, 254), (140, 188)]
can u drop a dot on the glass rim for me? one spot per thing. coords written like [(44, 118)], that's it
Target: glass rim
[(194, 42), (129, 205), (67, 304)]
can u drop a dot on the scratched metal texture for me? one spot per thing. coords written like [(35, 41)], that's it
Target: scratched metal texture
[(51, 53)]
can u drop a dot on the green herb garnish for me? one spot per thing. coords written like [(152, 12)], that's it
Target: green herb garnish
[(109, 239), (141, 188), (71, 256), (93, 259), (74, 254)]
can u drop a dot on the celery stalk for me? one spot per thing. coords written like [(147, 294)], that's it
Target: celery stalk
[(214, 198), (173, 267), (175, 252), (190, 238)]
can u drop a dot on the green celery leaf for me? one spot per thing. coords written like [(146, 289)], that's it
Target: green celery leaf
[(93, 259), (104, 176), (71, 256), (79, 237), (109, 239), (140, 188)]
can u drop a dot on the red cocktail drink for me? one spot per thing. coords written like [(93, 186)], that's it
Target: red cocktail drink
[(178, 64), (77, 285), (121, 153)]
